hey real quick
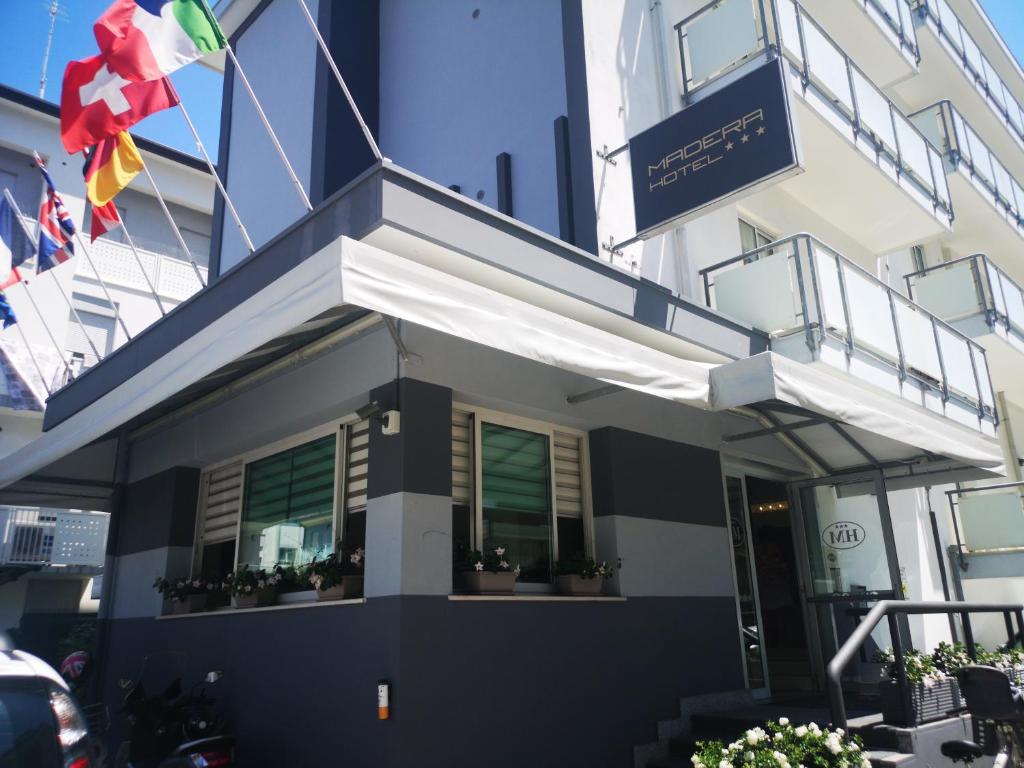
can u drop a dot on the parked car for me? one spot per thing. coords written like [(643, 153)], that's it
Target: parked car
[(41, 724)]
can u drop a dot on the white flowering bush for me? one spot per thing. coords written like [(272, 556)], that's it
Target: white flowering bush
[(782, 745), (179, 589), (328, 572), (492, 560), (248, 582)]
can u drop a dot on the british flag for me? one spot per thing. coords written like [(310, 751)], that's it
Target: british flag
[(56, 227)]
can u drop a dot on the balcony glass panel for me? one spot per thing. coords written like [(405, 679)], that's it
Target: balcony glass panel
[(949, 293), (992, 520), (800, 284), (913, 148), (874, 111), (828, 66), (999, 296), (723, 35), (789, 28)]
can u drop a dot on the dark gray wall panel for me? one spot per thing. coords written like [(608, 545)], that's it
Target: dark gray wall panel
[(159, 511), (642, 476)]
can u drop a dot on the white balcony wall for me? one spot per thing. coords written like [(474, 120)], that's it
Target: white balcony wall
[(993, 520), (949, 293)]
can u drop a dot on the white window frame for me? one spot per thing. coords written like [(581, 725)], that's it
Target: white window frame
[(478, 416), (339, 427)]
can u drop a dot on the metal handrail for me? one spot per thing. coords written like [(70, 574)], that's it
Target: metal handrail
[(1011, 200), (954, 506), (897, 25), (927, 11), (890, 609), (769, 45), (791, 246), (984, 290)]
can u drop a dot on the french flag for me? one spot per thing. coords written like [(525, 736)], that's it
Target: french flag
[(56, 227)]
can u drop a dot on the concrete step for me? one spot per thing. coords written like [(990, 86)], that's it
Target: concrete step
[(672, 761), (881, 758)]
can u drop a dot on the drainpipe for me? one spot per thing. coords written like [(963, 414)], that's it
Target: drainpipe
[(673, 240), (939, 556)]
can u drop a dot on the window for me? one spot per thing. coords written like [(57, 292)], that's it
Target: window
[(198, 245), (752, 238), (917, 258), (520, 485), (278, 506)]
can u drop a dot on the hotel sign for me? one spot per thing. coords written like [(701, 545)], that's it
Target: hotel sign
[(727, 143)]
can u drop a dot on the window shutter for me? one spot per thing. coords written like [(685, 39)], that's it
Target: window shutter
[(357, 463), (221, 503), (568, 475), (462, 458)]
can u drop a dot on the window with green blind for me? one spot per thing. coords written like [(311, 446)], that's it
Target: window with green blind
[(516, 496), (288, 506)]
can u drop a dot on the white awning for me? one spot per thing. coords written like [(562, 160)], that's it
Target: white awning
[(348, 273), (874, 426)]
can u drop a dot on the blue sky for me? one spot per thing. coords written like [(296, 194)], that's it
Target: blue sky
[(21, 58), (21, 63)]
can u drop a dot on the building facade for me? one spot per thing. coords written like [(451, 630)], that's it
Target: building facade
[(753, 412)]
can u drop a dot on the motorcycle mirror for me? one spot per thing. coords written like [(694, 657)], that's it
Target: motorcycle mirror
[(214, 675)]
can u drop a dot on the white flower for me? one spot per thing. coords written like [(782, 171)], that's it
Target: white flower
[(197, 583), (248, 588), (499, 551), (780, 758), (813, 728), (748, 757), (840, 732), (777, 737), (854, 747), (783, 721), (725, 764), (864, 762), (755, 735), (725, 752), (479, 566), (801, 731), (695, 760), (262, 583), (516, 572), (503, 564)]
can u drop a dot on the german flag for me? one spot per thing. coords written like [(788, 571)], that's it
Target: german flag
[(110, 166)]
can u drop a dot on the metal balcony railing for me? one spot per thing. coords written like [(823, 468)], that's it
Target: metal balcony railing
[(172, 278), (974, 63), (725, 35), (899, 16), (801, 285), (987, 518), (946, 127), (969, 286), (63, 538)]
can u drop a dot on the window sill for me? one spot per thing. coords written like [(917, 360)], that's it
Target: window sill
[(538, 598), (228, 611)]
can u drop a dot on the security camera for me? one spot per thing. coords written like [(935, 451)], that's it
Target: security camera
[(369, 410)]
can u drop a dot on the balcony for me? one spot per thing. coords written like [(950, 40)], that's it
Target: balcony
[(880, 34), (988, 523), (822, 309), (988, 198), (174, 279), (893, 189), (978, 298), (953, 67), (35, 537)]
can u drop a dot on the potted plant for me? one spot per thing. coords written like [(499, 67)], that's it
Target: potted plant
[(339, 576), (184, 595), (934, 694), (780, 744), (489, 573), (249, 588), (581, 576)]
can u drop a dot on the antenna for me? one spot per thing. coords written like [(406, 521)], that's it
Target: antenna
[(53, 8)]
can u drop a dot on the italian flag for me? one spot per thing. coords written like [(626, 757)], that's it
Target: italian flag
[(148, 39)]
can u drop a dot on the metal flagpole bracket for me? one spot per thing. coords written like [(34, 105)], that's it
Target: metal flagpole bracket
[(609, 156), (616, 248), (396, 337)]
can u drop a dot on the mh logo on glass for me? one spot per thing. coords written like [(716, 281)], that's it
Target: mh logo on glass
[(843, 535)]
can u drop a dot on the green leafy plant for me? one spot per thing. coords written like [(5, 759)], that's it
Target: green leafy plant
[(182, 588), (919, 666), (585, 568), (779, 744), (950, 659), (328, 572), (492, 561), (246, 582)]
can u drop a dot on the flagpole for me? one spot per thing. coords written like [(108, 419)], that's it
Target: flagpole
[(103, 285), (14, 205), (138, 260), (174, 226), (32, 354), (216, 178), (341, 81), (46, 327), (270, 131)]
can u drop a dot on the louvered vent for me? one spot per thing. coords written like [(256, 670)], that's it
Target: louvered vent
[(222, 502), (358, 462), (568, 476), (462, 458)]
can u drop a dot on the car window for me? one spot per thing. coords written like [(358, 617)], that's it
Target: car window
[(28, 736)]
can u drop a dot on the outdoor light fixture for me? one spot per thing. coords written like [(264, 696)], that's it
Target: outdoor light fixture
[(390, 421), (383, 700), (772, 506)]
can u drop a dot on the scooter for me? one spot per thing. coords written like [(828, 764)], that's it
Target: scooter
[(171, 730)]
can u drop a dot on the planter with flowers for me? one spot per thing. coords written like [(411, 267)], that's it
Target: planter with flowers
[(250, 589), (489, 573), (934, 692), (185, 595), (780, 744), (580, 577), (339, 576)]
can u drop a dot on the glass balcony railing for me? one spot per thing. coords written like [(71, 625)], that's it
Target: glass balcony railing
[(969, 287), (988, 518), (726, 35), (943, 124), (974, 63), (899, 16), (802, 286)]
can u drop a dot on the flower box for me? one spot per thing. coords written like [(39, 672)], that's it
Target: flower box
[(191, 604), (350, 588), (928, 702), (576, 585), (259, 597), (489, 583)]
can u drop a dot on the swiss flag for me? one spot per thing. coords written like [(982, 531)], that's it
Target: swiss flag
[(96, 102)]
